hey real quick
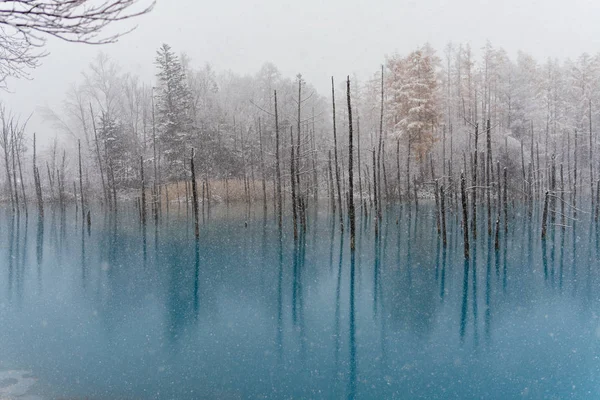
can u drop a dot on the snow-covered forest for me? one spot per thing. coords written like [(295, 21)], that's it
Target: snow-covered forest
[(434, 100)]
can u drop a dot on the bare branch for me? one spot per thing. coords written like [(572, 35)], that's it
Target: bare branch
[(25, 24)]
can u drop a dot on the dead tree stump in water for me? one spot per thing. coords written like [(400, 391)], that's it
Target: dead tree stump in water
[(143, 198), (463, 195), (194, 197), (443, 214), (545, 215), (81, 182)]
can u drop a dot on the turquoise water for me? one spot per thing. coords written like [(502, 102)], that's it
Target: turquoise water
[(114, 313)]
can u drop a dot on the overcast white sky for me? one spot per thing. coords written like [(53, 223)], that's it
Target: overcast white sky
[(318, 38)]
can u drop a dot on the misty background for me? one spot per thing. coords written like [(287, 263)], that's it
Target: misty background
[(318, 39)]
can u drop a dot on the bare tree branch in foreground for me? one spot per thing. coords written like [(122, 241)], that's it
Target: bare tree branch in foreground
[(25, 25)]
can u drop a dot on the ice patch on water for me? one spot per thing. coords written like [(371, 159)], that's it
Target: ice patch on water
[(15, 385)]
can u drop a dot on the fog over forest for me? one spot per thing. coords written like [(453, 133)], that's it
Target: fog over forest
[(456, 84), (315, 39)]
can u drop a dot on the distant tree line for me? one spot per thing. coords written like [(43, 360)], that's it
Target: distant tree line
[(422, 116)]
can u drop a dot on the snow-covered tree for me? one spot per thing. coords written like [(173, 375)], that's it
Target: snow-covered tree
[(412, 99), (175, 125)]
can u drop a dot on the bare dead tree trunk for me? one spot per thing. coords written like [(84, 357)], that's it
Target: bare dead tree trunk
[(360, 187), (37, 183), (335, 154), (552, 204), (451, 161), (452, 191), (166, 197), (293, 183), (331, 185), (19, 151), (379, 161), (398, 168), (187, 197), (443, 215), (488, 173), (375, 200), (575, 178), (525, 183), (369, 193), (591, 161), (60, 192), (278, 166), (61, 177), (562, 198), (437, 207), (155, 164), (545, 215), (299, 194), (416, 195), (465, 215), (194, 197), (143, 183), (244, 169), (497, 232), (505, 201), (252, 178), (6, 143), (569, 183), (208, 191), (262, 168), (597, 206), (498, 207), (408, 194), (50, 182), (539, 178), (14, 166), (81, 182), (113, 184), (314, 162), (202, 197), (475, 157), (444, 153), (76, 203), (351, 212), (530, 190), (385, 182)]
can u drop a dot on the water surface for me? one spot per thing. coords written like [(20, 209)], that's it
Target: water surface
[(122, 312)]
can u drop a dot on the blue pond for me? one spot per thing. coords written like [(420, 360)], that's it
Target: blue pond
[(121, 312)]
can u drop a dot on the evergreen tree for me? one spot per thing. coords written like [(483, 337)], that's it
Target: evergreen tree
[(175, 125)]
